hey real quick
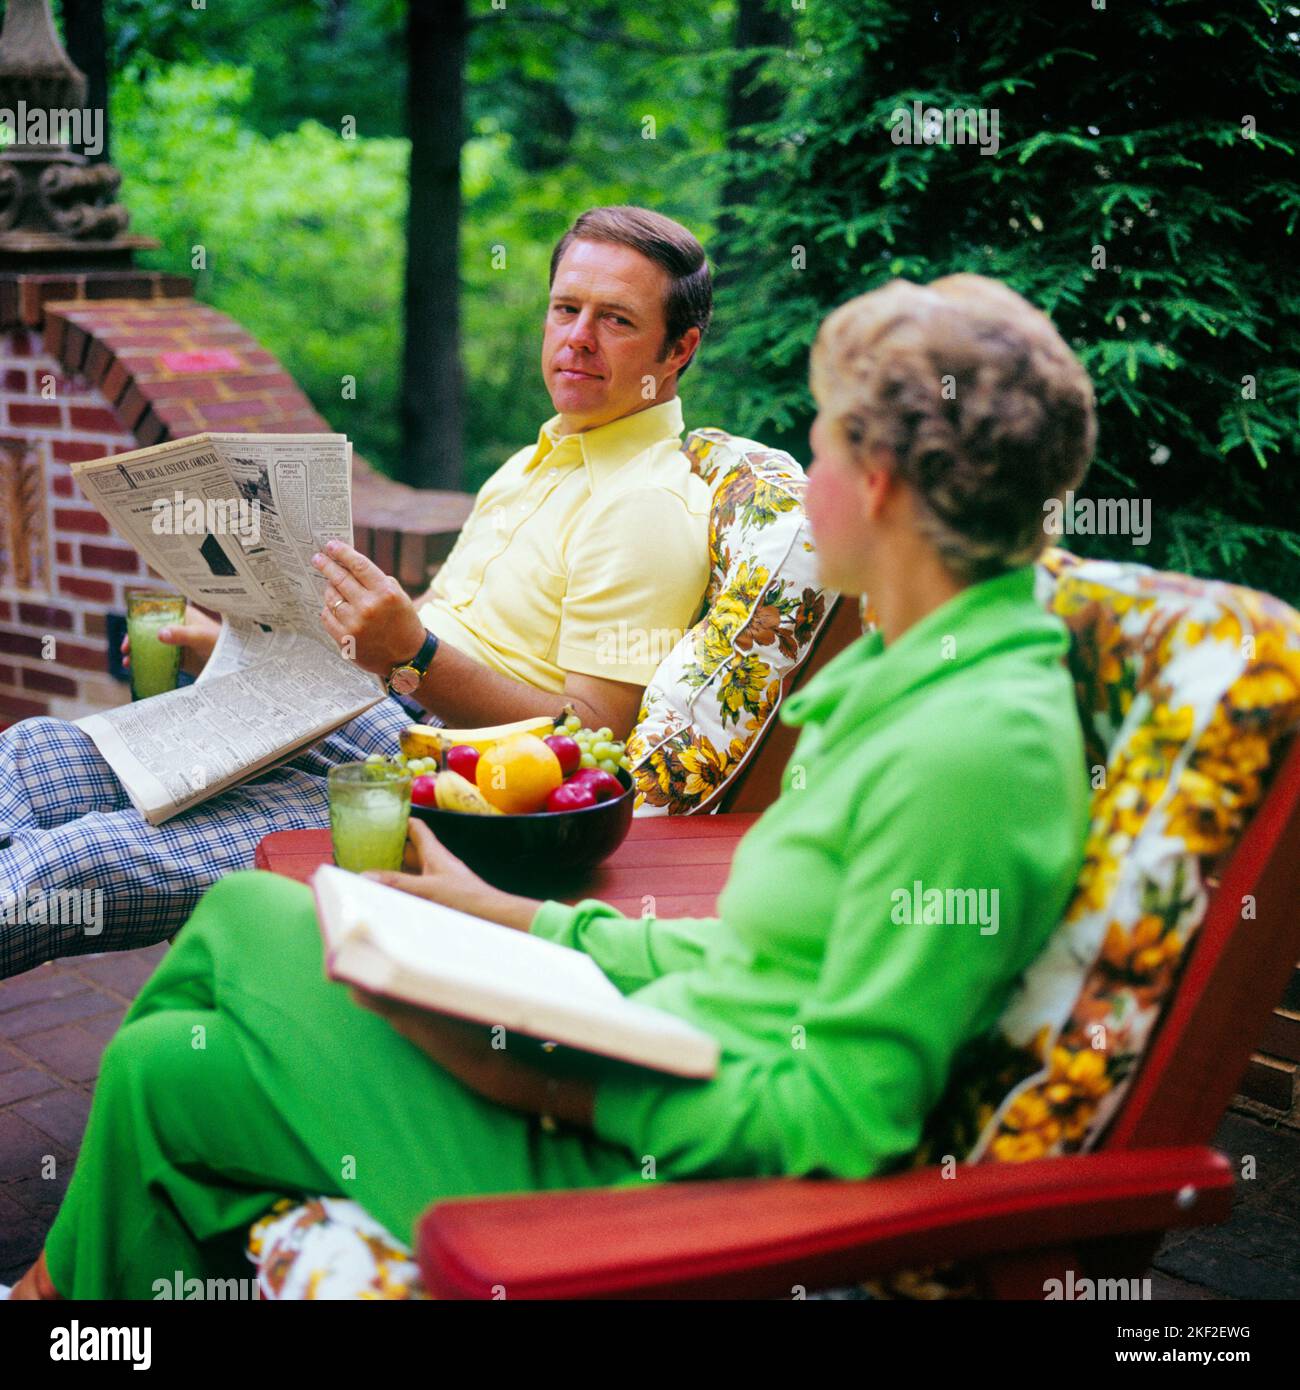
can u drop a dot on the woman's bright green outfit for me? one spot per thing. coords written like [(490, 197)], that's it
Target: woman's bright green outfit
[(838, 983)]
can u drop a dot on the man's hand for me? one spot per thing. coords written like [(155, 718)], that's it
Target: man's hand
[(198, 635), (376, 624), (367, 612)]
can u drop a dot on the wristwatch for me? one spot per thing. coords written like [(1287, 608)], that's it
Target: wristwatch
[(405, 679)]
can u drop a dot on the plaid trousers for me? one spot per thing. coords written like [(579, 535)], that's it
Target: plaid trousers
[(81, 853)]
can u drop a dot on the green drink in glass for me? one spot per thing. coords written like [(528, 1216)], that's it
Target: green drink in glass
[(370, 804), (155, 667)]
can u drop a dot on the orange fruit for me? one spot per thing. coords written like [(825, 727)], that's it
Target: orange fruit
[(518, 774)]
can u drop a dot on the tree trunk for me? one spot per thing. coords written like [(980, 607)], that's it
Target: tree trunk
[(335, 15), (759, 23), (432, 406), (85, 39)]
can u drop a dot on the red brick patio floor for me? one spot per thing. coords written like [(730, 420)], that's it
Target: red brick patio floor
[(55, 1022)]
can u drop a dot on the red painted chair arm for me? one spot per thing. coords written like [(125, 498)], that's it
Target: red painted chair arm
[(759, 1237)]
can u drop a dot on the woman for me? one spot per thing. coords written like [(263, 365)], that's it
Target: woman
[(942, 752)]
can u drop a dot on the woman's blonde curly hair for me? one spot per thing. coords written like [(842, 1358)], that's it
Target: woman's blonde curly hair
[(984, 409)]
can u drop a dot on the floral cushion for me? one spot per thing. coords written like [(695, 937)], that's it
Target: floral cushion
[(716, 692), (329, 1248), (1187, 690)]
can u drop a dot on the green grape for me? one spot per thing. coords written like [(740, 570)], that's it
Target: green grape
[(573, 724), (608, 765), (374, 758), (604, 732), (602, 750), (587, 761)]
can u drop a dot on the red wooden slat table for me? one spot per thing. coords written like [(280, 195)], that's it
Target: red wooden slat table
[(681, 862)]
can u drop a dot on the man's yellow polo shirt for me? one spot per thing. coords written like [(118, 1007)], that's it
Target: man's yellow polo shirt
[(585, 552)]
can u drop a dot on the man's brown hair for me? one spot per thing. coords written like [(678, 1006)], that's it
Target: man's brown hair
[(689, 302)]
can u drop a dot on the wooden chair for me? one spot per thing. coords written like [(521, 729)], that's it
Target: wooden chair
[(758, 782), (1100, 1215), (1210, 674)]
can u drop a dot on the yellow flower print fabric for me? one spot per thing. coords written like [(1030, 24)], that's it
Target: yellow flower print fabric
[(1187, 690), (329, 1248), (715, 693)]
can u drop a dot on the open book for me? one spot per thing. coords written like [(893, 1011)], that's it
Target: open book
[(407, 948), (232, 521)]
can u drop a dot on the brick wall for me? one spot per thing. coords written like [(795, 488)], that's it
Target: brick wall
[(108, 361), (82, 569), (172, 367)]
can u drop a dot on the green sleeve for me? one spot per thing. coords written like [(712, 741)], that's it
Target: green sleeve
[(846, 1090), (632, 951)]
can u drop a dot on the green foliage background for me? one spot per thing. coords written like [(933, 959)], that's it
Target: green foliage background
[(1120, 129), (229, 137)]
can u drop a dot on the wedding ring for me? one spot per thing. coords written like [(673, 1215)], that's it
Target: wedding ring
[(338, 603)]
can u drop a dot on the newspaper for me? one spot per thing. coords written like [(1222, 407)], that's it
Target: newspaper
[(231, 521)]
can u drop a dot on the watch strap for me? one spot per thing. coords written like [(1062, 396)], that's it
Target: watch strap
[(420, 662), (423, 659)]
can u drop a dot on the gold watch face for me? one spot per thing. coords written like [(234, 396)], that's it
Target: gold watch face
[(404, 681)]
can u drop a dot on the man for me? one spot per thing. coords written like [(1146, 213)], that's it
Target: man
[(584, 558)]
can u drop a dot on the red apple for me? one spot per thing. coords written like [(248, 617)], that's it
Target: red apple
[(422, 792), (567, 750), (571, 796), (604, 784), (462, 758)]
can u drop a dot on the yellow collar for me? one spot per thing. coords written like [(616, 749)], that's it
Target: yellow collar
[(608, 447)]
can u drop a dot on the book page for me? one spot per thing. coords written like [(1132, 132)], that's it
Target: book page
[(416, 933), (409, 948)]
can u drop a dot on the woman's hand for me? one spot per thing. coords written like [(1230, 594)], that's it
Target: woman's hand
[(465, 1051), (197, 635), (442, 878)]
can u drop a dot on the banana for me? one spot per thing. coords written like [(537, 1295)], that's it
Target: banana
[(454, 793), (423, 741), (420, 741), (483, 739)]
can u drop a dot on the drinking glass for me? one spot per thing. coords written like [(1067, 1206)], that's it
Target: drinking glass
[(370, 804), (155, 667)]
